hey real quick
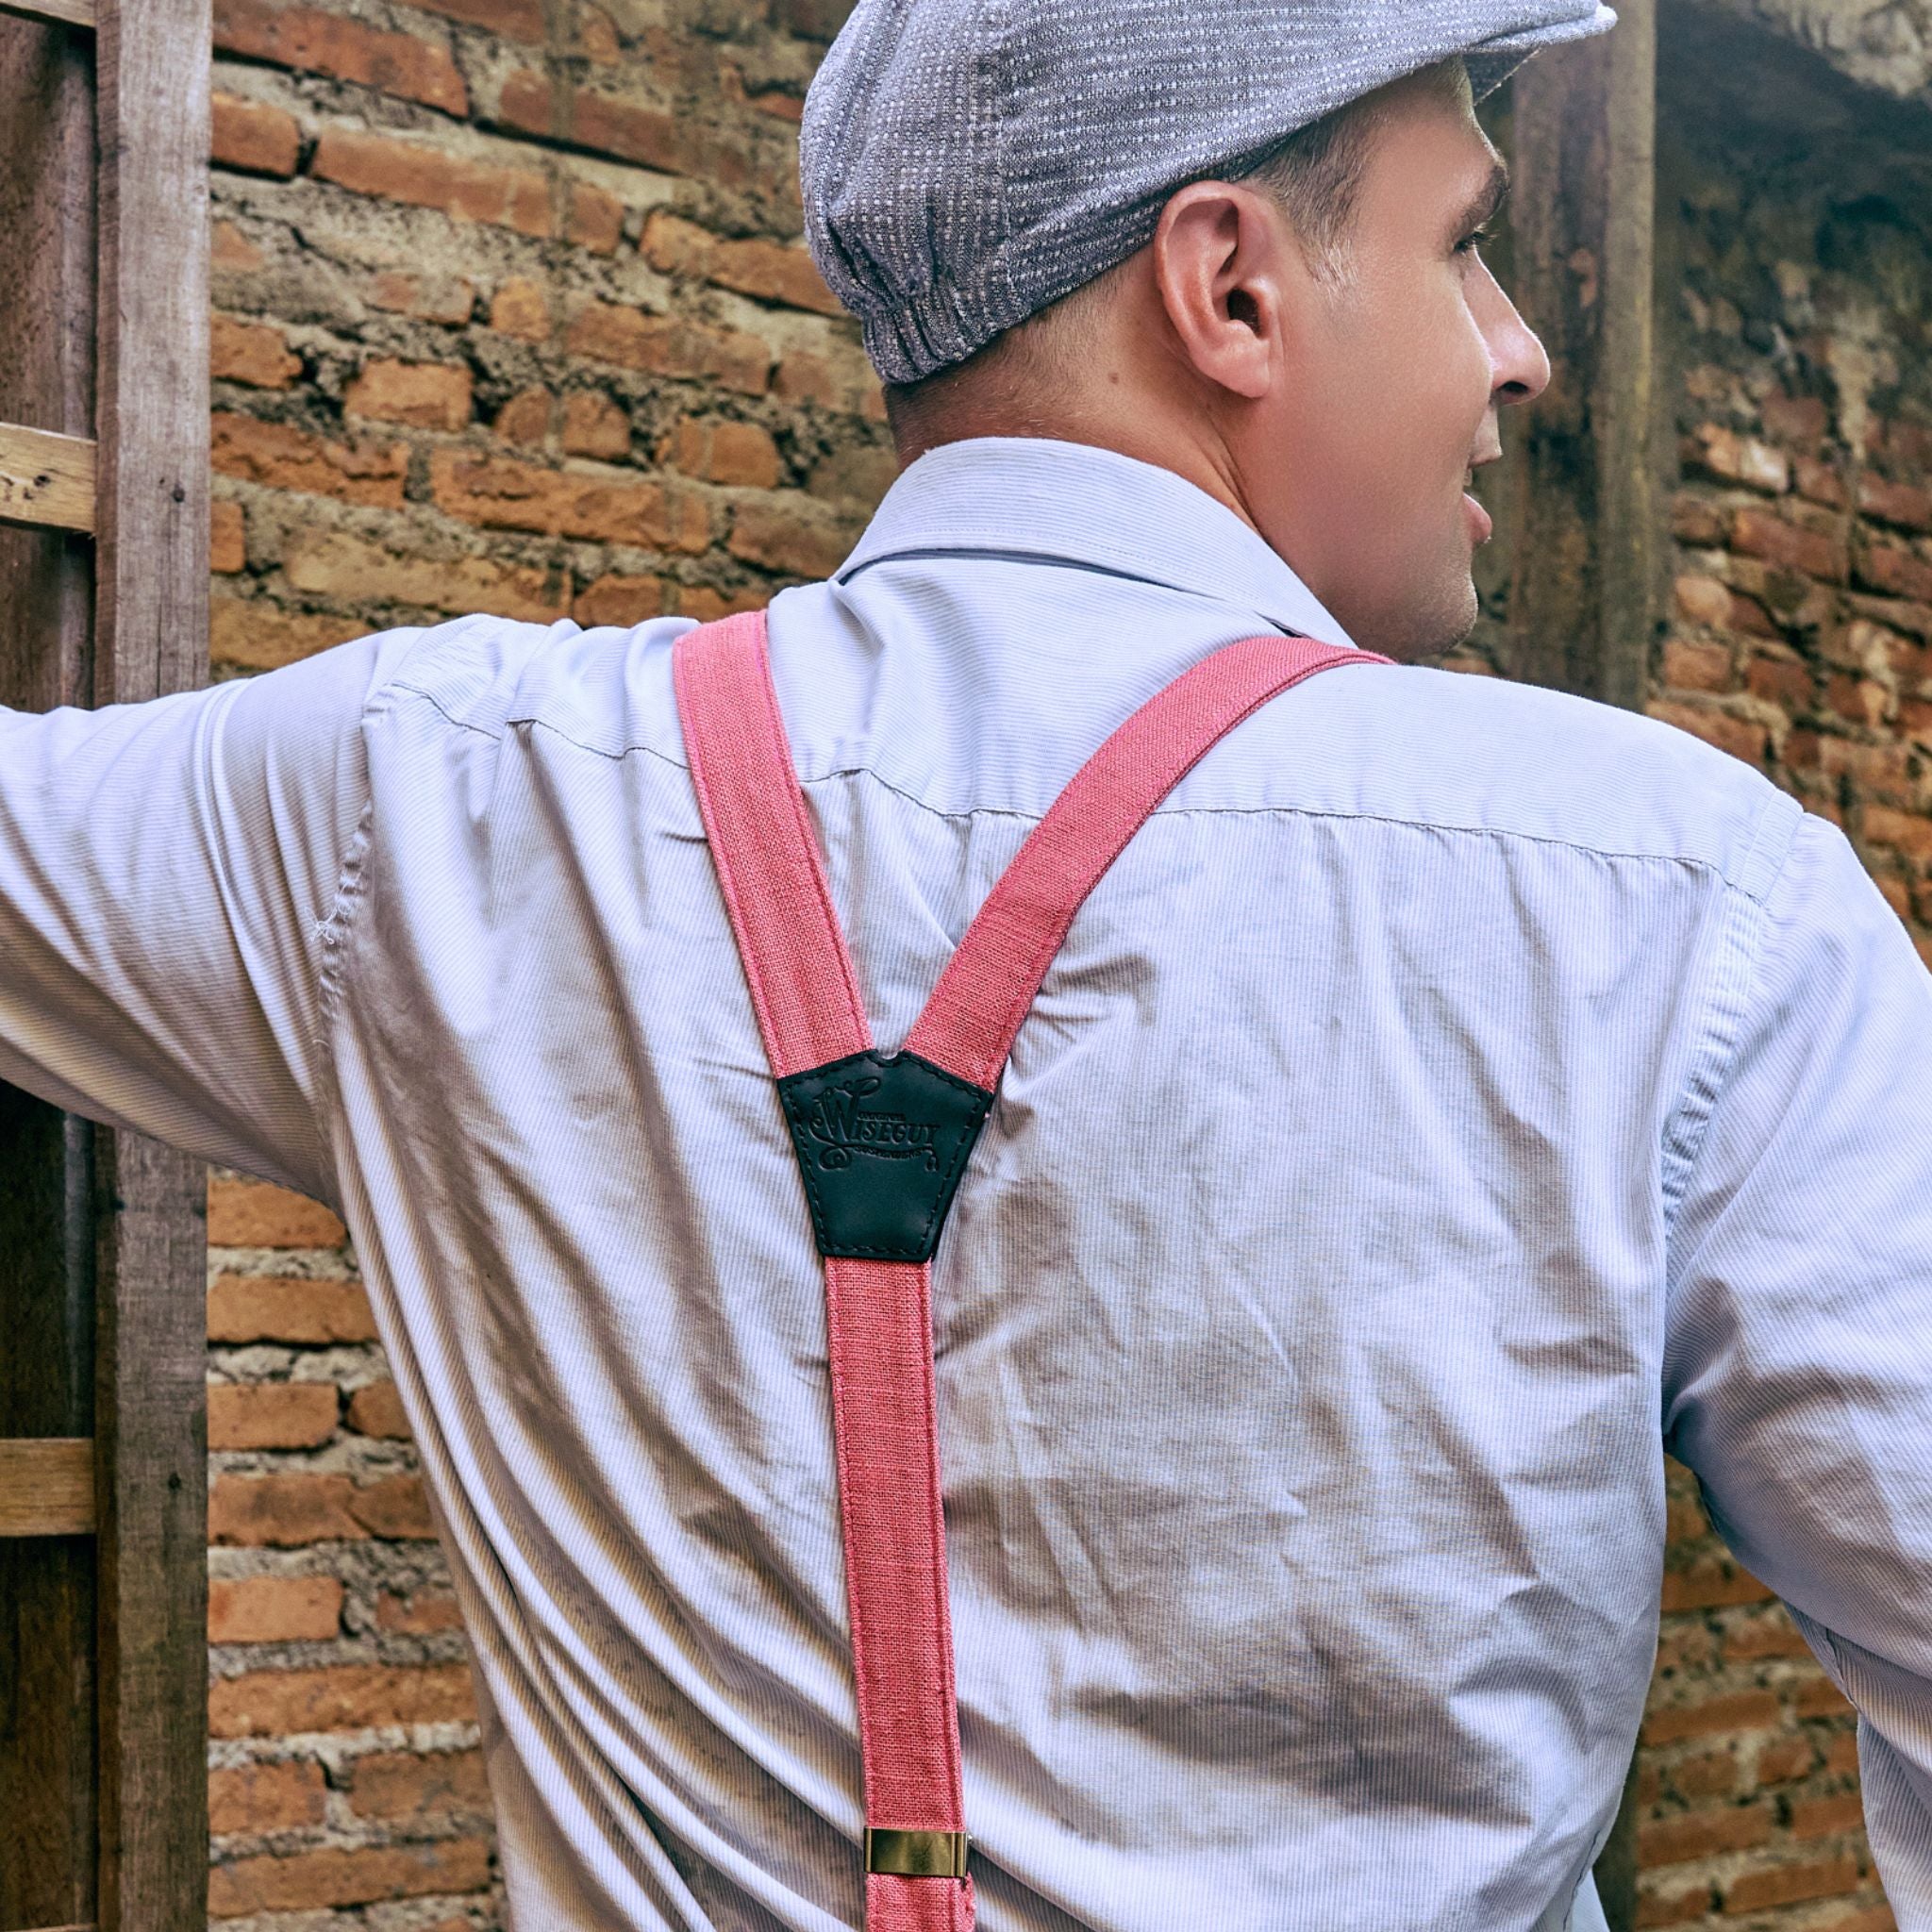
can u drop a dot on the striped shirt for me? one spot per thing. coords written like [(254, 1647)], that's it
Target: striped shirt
[(1458, 1095)]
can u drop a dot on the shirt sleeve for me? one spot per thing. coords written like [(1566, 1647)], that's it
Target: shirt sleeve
[(166, 869), (1798, 1364)]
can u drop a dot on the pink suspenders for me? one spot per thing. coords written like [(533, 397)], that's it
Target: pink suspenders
[(882, 1140)]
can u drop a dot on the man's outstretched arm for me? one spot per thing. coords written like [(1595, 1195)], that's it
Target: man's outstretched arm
[(165, 873), (1798, 1380)]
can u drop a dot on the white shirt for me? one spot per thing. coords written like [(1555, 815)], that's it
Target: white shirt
[(1457, 1094)]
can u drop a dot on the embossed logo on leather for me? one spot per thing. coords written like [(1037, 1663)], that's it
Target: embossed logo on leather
[(840, 1125), (881, 1144)]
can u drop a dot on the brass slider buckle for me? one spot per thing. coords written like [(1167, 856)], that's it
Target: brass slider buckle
[(916, 1854)]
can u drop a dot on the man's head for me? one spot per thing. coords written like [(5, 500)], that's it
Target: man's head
[(1318, 344)]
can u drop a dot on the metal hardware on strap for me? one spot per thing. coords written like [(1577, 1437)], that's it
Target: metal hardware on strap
[(916, 1854)]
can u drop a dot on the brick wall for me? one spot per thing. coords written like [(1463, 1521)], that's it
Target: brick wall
[(510, 314), (1798, 637)]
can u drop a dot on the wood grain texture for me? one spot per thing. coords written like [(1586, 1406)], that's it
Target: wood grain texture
[(151, 600), (46, 480), (1584, 594), (48, 1605), (68, 12), (47, 1486)]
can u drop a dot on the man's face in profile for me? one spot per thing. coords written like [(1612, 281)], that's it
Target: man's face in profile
[(1400, 359)]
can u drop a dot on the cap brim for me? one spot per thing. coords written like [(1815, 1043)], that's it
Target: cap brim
[(1492, 64)]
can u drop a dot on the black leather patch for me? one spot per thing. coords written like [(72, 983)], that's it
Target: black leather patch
[(881, 1143)]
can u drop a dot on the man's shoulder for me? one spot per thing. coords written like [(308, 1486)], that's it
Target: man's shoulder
[(1457, 752)]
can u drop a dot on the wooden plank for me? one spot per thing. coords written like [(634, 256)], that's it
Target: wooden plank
[(47, 1600), (46, 480), (1584, 589), (151, 590), (47, 1486), (68, 12)]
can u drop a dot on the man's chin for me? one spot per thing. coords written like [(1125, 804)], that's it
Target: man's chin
[(1429, 628)]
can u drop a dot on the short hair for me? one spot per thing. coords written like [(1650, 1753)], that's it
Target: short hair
[(1315, 175)]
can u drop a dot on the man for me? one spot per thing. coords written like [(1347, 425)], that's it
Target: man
[(1455, 1095)]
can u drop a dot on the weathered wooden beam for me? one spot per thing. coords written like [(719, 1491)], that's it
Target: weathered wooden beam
[(68, 12), (153, 81), (46, 480), (1583, 592), (47, 1486)]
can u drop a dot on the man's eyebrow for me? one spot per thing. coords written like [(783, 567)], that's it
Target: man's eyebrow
[(1483, 205)]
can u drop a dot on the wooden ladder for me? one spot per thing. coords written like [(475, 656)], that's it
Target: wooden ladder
[(104, 516)]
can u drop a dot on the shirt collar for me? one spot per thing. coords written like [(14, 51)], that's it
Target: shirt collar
[(1070, 504)]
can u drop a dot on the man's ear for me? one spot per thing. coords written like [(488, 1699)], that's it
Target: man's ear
[(1222, 262)]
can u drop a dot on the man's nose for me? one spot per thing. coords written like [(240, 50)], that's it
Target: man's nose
[(1520, 368)]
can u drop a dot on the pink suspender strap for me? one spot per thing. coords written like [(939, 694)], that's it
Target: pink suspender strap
[(882, 1141)]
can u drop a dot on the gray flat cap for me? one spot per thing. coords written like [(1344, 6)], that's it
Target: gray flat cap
[(967, 162)]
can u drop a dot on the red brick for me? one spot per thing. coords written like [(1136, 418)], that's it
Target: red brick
[(1738, 1710), (722, 451), (395, 1509), (273, 1609), (843, 382), (1842, 1753), (255, 634), (669, 346), (786, 531), (1742, 740), (593, 425), (406, 1786), (333, 563), (284, 457), (340, 1697), (304, 1880), (1822, 1817), (420, 1615), (1688, 1835), (1742, 459), (1770, 1634), (251, 352), (429, 395), (266, 1798), (1785, 681), (661, 138), (270, 1415), (1782, 541), (1908, 833), (1782, 1759), (596, 220), (425, 176), (620, 600), (259, 1214), (1698, 667), (500, 494), (1821, 1698), (282, 1511), (1876, 1918), (319, 43), (1696, 520), (444, 298), (375, 1409), (1819, 482), (516, 20), (1709, 1775), (521, 308), (1704, 600), (1857, 700), (707, 606), (525, 418), (1678, 1905), (315, 1314), (1891, 568), (227, 546), (1800, 420), (1904, 504), (768, 270), (253, 139), (1786, 1885)]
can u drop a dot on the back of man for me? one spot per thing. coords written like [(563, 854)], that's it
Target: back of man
[(1455, 1095)]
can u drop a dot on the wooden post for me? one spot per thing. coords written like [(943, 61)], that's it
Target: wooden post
[(102, 1440), (1583, 595)]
